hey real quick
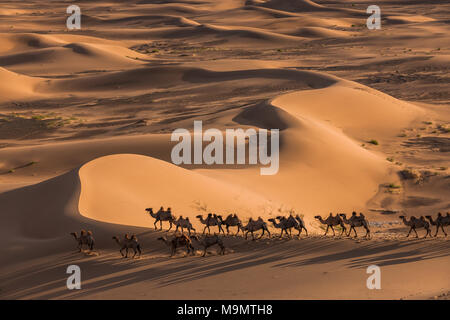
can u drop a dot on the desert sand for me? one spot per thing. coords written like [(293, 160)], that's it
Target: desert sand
[(86, 118)]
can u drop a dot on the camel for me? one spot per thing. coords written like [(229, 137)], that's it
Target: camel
[(301, 225), (128, 243), (161, 216), (84, 238), (415, 223), (231, 220), (255, 225), (356, 221), (178, 241), (332, 221), (284, 224), (184, 223), (209, 241), (211, 220), (441, 221)]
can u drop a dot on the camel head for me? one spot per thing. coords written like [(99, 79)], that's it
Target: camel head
[(115, 238), (317, 217), (343, 215), (199, 216), (272, 220), (74, 234), (83, 232), (429, 217), (149, 210), (402, 217)]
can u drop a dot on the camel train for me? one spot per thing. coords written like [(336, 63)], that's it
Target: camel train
[(285, 224)]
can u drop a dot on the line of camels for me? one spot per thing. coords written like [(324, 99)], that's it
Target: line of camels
[(285, 224)]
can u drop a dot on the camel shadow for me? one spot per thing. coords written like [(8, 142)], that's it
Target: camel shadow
[(156, 270)]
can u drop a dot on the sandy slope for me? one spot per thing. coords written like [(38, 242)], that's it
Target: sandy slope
[(85, 124)]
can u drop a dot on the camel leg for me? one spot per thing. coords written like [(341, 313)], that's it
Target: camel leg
[(416, 233), (334, 233), (437, 230), (349, 231), (344, 229), (442, 227), (409, 232), (156, 221), (326, 231), (281, 234), (368, 233), (428, 233), (204, 230), (306, 231), (209, 231), (262, 234), (246, 235), (170, 227), (354, 229), (228, 230), (160, 224), (139, 250)]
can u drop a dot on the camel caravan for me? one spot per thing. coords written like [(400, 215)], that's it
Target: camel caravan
[(284, 224)]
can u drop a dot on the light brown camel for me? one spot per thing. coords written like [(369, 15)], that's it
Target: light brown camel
[(441, 221), (178, 241), (211, 220), (128, 243), (209, 241), (184, 223), (232, 220), (415, 223), (356, 221), (161, 216), (85, 238), (331, 222), (255, 225)]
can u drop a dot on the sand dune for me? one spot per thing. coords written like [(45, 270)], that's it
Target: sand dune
[(16, 86)]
